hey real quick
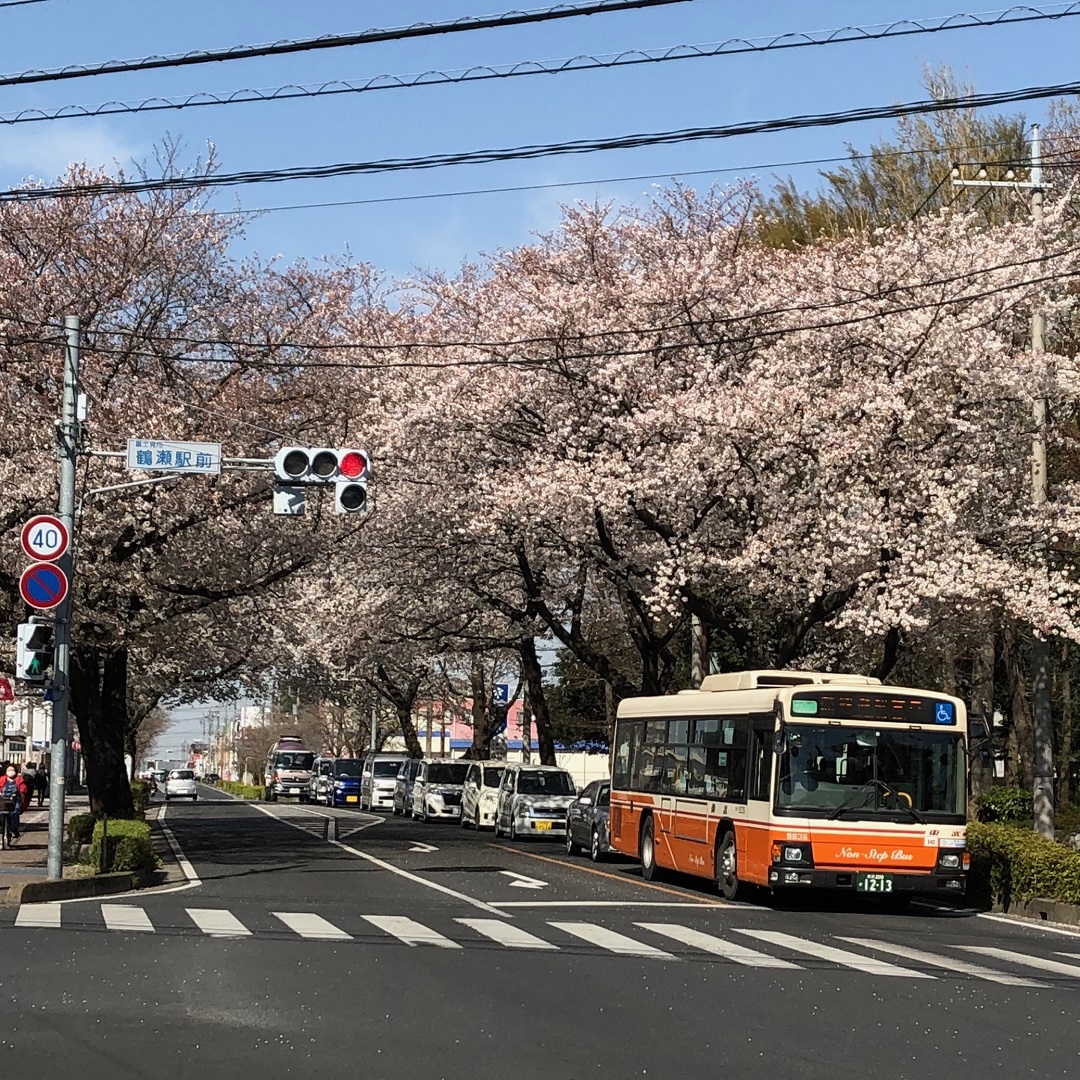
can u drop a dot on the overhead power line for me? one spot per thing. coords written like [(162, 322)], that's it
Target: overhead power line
[(509, 188), (535, 151), (332, 41), (22, 3), (528, 68)]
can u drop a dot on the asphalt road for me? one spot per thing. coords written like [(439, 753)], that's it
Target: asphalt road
[(402, 950)]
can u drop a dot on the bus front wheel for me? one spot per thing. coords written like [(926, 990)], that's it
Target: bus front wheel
[(727, 868), (647, 851)]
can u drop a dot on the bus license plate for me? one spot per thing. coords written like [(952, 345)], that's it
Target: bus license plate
[(543, 825), (879, 883)]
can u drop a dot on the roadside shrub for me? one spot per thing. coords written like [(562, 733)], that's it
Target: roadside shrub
[(140, 852), (134, 854), (140, 795), (241, 791), (1005, 804), (1009, 866), (80, 829)]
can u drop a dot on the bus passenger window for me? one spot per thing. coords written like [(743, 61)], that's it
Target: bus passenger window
[(620, 770), (695, 778)]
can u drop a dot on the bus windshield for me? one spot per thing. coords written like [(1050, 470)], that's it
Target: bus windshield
[(845, 772)]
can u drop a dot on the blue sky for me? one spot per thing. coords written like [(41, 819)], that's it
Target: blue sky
[(440, 233)]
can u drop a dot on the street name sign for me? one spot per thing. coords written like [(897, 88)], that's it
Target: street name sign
[(45, 538), (167, 456), (43, 586)]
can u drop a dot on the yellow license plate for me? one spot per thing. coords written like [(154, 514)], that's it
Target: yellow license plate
[(542, 825), (350, 798)]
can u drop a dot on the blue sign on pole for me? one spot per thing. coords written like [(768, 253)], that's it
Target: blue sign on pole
[(43, 585), (501, 693)]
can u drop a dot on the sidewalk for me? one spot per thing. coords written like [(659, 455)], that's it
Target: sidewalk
[(28, 859)]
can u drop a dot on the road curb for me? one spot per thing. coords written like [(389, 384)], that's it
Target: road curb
[(1041, 912), (44, 892)]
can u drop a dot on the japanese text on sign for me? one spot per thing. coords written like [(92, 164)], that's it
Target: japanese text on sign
[(162, 455)]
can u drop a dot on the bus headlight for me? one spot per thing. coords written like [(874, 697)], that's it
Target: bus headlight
[(949, 862)]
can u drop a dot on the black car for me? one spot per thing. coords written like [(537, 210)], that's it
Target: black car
[(587, 821), (211, 777)]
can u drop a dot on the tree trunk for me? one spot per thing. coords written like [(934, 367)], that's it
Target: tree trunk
[(99, 702), (534, 680), (1019, 768), (982, 712), (1064, 768), (481, 736), (403, 697)]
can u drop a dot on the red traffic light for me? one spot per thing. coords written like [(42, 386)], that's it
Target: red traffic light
[(352, 464)]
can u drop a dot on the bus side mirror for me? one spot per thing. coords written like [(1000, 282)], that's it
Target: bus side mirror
[(779, 742)]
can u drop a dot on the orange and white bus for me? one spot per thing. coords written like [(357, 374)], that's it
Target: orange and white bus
[(794, 780)]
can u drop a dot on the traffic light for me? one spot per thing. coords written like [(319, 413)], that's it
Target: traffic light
[(33, 650), (350, 496), (319, 465)]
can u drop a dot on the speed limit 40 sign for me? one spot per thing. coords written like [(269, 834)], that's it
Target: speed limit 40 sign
[(45, 538)]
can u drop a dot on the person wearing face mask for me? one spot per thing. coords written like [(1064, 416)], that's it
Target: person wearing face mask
[(13, 787)]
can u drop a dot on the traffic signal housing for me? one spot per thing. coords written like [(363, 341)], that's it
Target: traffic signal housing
[(350, 496), (295, 465), (33, 650)]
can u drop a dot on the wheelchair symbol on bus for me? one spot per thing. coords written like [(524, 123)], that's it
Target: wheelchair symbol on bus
[(943, 713)]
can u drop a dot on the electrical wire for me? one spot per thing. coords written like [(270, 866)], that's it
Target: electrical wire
[(536, 151), (22, 3), (731, 47), (512, 343), (648, 350), (333, 41)]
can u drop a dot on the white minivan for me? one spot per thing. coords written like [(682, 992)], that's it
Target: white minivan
[(533, 800), (378, 779), (480, 797), (437, 789)]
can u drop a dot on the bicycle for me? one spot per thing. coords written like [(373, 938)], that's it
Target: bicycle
[(7, 806)]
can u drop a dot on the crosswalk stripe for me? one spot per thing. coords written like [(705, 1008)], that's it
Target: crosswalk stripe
[(308, 925), (39, 915), (1056, 967), (126, 917), (410, 932), (833, 955), (216, 922), (951, 963), (513, 937), (609, 940), (729, 950)]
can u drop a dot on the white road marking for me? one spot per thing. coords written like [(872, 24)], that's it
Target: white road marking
[(699, 904), (188, 869), (609, 940), (39, 915), (522, 882), (436, 886), (729, 950), (215, 922), (409, 931), (1043, 928), (126, 917), (833, 955), (308, 925), (1055, 967), (512, 937), (948, 962), (426, 849)]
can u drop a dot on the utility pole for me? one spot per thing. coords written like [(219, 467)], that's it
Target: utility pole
[(68, 430), (1043, 788)]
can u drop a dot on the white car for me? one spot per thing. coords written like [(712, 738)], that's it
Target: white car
[(180, 784), (533, 800), (437, 789), (480, 797)]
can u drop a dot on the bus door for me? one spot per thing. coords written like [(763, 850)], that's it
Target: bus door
[(697, 822), (760, 765)]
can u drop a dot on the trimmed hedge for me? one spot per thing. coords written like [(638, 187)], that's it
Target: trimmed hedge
[(241, 791), (129, 847), (1005, 804), (80, 829), (1009, 865), (140, 795)]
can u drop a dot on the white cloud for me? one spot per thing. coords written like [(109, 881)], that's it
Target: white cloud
[(44, 152)]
